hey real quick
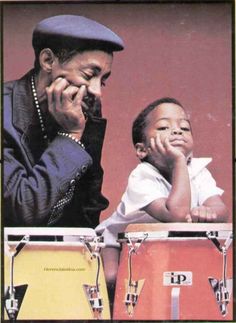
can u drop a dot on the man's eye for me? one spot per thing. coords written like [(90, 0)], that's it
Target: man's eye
[(185, 128), (103, 83), (87, 77), (162, 128)]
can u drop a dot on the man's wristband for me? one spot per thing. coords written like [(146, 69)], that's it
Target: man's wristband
[(68, 135)]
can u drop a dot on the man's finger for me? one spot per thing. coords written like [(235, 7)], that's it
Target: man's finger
[(80, 95), (69, 93), (54, 91)]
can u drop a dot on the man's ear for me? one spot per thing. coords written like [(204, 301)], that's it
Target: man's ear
[(141, 150), (46, 59)]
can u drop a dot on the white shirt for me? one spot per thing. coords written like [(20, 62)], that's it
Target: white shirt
[(146, 184)]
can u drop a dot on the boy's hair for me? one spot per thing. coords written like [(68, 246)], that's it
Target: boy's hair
[(139, 123)]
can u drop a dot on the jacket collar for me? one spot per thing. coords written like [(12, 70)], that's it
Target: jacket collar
[(25, 114), (25, 118)]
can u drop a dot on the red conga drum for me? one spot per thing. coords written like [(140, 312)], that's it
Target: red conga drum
[(175, 271)]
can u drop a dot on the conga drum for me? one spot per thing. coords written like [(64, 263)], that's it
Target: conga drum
[(54, 274), (175, 271)]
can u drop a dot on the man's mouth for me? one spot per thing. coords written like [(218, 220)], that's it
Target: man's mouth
[(90, 104), (85, 106), (88, 100)]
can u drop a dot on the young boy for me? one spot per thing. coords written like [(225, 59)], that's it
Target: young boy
[(168, 185)]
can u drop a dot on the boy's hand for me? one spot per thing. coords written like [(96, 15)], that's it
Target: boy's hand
[(202, 214), (65, 104), (164, 152)]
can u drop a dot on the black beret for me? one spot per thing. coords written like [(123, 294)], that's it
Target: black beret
[(76, 32)]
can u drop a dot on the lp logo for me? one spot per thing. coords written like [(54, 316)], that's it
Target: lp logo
[(177, 278)]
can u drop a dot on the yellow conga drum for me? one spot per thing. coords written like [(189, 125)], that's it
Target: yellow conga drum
[(54, 274), (175, 272)]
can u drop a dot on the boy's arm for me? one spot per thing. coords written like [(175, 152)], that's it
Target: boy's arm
[(179, 201), (176, 207), (212, 210)]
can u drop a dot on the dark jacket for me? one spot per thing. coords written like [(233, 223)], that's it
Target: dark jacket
[(36, 175)]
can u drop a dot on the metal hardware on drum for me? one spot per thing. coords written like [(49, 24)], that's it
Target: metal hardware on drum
[(222, 288), (92, 291), (133, 288), (14, 294), (175, 303), (95, 300)]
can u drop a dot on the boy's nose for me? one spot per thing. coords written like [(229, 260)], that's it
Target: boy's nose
[(176, 131)]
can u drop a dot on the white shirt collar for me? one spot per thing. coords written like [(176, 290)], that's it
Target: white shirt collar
[(194, 167)]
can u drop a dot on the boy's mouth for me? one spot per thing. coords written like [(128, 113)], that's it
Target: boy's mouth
[(177, 142)]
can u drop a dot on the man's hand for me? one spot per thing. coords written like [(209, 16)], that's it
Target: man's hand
[(202, 214), (65, 105)]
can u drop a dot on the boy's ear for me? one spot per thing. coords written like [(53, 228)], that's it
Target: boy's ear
[(141, 150), (46, 59)]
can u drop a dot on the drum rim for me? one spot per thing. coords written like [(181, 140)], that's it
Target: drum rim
[(172, 235)]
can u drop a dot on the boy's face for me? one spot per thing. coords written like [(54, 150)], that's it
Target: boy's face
[(170, 120)]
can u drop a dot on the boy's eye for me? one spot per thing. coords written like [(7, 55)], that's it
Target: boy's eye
[(162, 128), (185, 128)]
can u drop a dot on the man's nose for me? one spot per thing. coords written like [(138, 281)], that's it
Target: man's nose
[(95, 88), (176, 131)]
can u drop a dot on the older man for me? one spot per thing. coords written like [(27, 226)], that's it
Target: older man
[(53, 127)]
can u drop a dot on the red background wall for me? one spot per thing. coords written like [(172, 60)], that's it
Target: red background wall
[(172, 49)]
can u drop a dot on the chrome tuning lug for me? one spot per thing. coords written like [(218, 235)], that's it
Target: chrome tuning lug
[(133, 289), (222, 288)]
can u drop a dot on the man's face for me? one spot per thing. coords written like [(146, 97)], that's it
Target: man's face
[(170, 120), (89, 68)]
